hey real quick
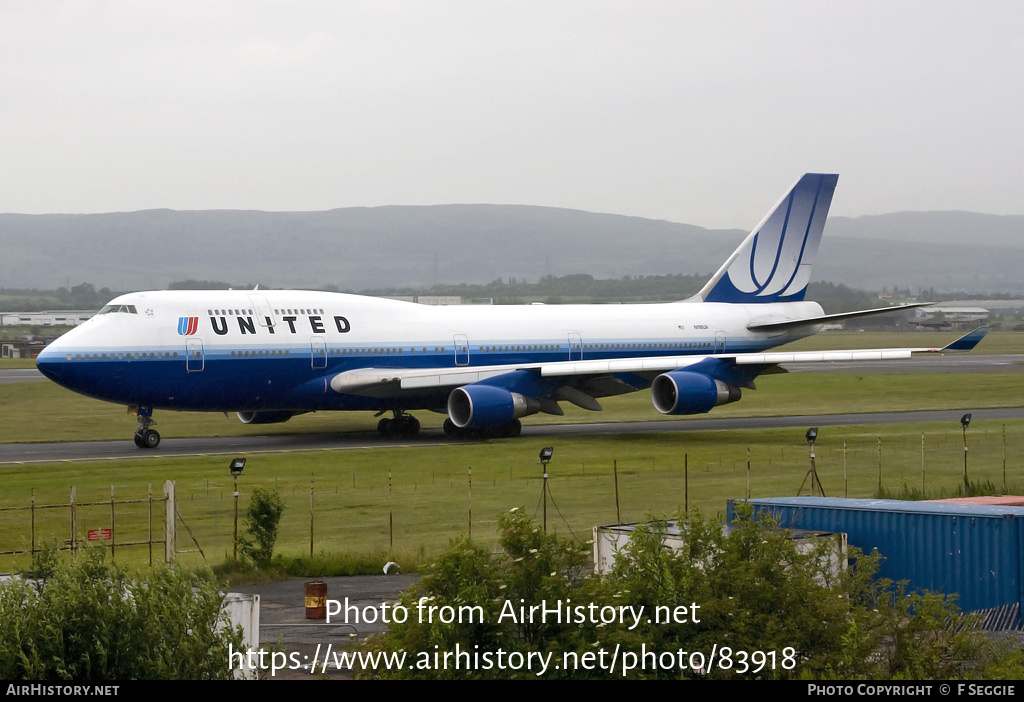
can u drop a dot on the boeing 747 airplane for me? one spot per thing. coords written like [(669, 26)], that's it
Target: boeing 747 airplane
[(269, 355)]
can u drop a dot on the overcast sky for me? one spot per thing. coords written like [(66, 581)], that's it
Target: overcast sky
[(699, 112)]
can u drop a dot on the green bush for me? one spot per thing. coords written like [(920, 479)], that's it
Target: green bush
[(767, 609), (261, 521), (89, 619)]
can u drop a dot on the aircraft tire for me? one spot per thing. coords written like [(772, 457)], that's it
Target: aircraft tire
[(150, 439), (409, 427)]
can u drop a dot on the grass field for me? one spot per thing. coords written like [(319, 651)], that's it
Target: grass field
[(430, 498)]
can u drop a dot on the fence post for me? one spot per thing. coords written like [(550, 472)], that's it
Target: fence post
[(615, 475), (311, 512), (74, 543), (170, 509), (846, 482), (748, 473), (113, 533), (149, 521), (879, 464), (923, 485)]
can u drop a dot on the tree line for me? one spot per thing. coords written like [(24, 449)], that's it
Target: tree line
[(550, 289)]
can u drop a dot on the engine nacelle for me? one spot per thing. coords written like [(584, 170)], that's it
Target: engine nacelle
[(487, 406), (685, 392), (265, 417)]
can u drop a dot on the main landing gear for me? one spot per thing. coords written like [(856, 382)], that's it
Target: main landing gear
[(145, 437), (403, 426)]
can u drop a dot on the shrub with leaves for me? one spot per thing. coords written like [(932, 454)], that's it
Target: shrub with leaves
[(89, 619), (754, 591), (261, 521), (532, 567)]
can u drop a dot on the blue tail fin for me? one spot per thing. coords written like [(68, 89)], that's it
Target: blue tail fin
[(773, 264)]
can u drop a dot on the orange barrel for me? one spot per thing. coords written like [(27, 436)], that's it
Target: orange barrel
[(316, 600)]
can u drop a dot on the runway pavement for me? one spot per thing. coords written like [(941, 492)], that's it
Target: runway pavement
[(216, 446), (106, 450), (20, 375), (285, 629)]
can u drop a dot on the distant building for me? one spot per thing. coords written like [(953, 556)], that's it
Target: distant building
[(439, 300), (948, 317), (23, 348), (442, 300), (58, 318)]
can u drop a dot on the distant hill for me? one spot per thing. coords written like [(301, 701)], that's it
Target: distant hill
[(363, 248), (948, 251)]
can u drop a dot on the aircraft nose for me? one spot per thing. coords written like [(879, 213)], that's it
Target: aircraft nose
[(50, 362)]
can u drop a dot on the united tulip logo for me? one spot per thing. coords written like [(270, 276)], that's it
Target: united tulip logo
[(187, 326)]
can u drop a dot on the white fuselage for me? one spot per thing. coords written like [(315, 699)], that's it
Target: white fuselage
[(247, 350)]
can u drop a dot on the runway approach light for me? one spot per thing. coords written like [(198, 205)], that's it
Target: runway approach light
[(236, 470), (545, 456), (812, 474), (812, 435), (964, 421)]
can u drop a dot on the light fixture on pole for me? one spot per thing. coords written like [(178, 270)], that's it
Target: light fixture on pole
[(545, 458), (964, 423), (811, 436), (236, 467)]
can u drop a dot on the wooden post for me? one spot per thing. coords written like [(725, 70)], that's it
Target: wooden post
[(311, 477), (170, 510), (615, 472), (748, 474), (74, 543), (686, 483)]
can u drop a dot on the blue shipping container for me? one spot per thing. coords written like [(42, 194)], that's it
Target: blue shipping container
[(971, 550)]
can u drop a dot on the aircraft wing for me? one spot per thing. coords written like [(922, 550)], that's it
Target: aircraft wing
[(381, 381), (964, 343), (357, 381)]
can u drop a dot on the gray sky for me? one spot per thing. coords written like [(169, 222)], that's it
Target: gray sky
[(699, 112)]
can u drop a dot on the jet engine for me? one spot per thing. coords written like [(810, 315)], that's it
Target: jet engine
[(686, 392), (487, 406), (265, 417)]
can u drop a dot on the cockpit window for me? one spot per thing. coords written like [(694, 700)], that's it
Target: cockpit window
[(123, 309)]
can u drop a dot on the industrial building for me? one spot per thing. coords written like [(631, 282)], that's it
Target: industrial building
[(56, 318)]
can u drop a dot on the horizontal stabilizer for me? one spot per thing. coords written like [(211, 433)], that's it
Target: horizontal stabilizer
[(784, 324)]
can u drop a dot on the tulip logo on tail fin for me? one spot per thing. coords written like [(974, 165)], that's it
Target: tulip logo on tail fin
[(773, 264), (187, 326)]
